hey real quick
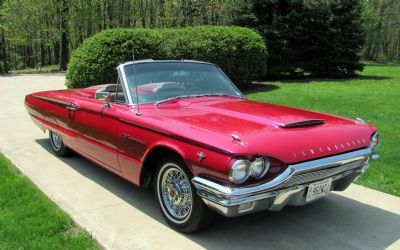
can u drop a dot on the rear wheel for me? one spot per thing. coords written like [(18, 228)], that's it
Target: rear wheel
[(180, 206), (57, 144)]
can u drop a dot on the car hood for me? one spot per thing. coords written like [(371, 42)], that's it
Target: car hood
[(264, 129)]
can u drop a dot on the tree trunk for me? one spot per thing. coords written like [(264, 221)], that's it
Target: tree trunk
[(143, 11), (42, 54), (152, 14), (110, 15), (4, 52), (56, 55), (49, 55), (162, 13), (64, 42), (29, 55)]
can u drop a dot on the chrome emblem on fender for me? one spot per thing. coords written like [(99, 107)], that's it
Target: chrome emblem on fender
[(201, 156), (337, 147)]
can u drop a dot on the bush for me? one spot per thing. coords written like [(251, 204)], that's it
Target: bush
[(95, 61), (240, 52)]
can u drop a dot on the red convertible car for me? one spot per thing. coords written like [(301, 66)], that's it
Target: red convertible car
[(184, 127)]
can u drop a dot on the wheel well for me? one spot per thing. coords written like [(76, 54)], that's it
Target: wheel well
[(151, 161)]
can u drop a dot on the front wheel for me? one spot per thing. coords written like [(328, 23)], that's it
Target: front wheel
[(180, 206), (58, 145)]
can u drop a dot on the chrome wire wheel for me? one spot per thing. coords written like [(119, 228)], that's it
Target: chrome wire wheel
[(56, 141), (175, 193)]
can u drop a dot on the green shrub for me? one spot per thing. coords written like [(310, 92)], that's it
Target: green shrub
[(95, 61), (240, 52)]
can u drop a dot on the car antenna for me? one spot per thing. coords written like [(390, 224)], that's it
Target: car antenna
[(136, 87)]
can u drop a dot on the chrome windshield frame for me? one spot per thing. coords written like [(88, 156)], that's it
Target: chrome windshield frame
[(129, 94), (125, 85)]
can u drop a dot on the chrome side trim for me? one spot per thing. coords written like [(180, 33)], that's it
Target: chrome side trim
[(229, 193)]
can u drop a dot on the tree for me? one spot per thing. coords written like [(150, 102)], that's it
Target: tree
[(64, 41), (282, 25), (381, 21), (308, 37), (348, 37), (241, 13), (3, 47)]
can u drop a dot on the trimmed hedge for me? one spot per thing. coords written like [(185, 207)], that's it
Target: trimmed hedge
[(95, 61), (240, 52)]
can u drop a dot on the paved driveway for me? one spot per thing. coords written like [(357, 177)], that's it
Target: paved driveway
[(122, 216)]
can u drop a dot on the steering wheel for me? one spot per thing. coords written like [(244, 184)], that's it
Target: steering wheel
[(168, 86)]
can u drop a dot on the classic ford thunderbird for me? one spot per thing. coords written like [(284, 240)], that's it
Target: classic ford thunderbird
[(185, 128)]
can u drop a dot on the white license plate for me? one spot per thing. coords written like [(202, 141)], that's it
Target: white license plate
[(318, 189)]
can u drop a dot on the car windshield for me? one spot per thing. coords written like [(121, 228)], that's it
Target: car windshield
[(161, 81)]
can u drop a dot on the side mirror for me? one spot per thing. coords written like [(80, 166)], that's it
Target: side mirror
[(104, 95)]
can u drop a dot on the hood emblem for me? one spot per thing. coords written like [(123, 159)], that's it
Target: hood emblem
[(201, 156), (236, 138)]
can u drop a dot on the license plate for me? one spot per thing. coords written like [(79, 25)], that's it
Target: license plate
[(318, 189)]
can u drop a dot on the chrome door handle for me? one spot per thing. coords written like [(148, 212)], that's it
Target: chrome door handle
[(126, 136), (72, 107), (130, 138)]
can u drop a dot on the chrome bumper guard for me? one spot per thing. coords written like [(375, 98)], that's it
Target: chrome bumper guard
[(289, 188)]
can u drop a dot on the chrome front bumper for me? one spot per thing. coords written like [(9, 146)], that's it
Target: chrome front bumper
[(289, 188)]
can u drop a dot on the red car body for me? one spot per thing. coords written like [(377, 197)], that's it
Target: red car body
[(208, 133)]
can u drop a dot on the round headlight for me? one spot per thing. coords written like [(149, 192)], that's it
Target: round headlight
[(239, 171), (259, 167), (374, 141)]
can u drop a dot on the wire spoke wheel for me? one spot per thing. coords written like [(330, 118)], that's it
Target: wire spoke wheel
[(179, 203), (57, 144), (56, 141), (175, 193)]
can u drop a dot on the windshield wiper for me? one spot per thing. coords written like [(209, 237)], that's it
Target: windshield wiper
[(194, 96), (175, 97)]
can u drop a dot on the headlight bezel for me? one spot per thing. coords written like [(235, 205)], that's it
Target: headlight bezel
[(247, 166), (265, 164), (235, 167), (374, 141)]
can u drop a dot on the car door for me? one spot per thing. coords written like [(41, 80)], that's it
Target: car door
[(131, 138), (95, 126)]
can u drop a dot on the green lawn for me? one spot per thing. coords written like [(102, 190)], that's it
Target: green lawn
[(29, 220), (41, 70), (373, 96)]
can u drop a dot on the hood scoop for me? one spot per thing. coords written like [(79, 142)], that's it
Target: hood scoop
[(304, 123)]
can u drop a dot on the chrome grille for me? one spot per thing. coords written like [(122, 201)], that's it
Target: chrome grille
[(302, 178)]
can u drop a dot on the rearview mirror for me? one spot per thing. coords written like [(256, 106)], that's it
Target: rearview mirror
[(104, 95)]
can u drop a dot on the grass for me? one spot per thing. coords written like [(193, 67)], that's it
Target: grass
[(41, 70), (373, 96), (29, 220)]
